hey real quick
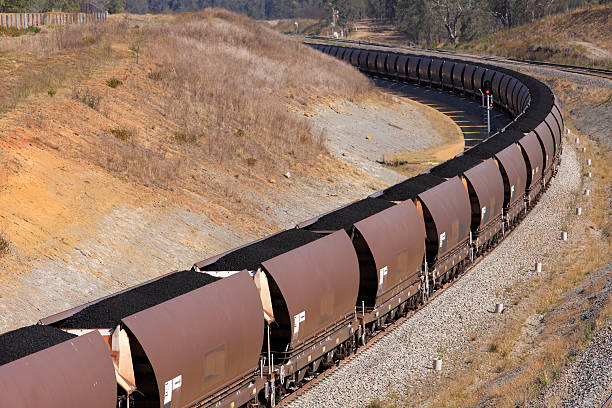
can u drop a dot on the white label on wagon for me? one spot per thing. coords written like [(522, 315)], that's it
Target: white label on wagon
[(167, 392), (484, 211), (383, 272), (302, 316), (296, 324), (511, 190), (442, 238), (177, 382)]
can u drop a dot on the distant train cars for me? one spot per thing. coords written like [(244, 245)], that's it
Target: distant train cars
[(248, 326)]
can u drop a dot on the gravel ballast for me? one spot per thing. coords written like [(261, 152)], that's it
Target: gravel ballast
[(403, 358), (107, 313), (27, 340)]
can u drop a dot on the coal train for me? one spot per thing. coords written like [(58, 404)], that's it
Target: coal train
[(245, 327)]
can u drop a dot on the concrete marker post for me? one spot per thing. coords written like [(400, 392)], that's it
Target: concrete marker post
[(437, 364), (538, 267), (563, 236), (579, 211), (499, 307)]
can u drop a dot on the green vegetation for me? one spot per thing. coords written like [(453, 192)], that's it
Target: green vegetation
[(155, 75), (183, 137), (4, 245), (114, 82), (122, 134), (16, 32), (88, 98)]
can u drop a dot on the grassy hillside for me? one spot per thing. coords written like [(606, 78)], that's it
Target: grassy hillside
[(580, 37), (197, 109)]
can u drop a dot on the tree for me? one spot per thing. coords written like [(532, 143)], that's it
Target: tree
[(453, 15), (115, 6), (137, 6)]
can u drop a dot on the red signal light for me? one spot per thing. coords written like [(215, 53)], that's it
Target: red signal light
[(487, 91)]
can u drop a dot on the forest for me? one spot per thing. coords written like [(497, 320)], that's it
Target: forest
[(422, 21)]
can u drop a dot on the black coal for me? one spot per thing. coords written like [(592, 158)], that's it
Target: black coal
[(27, 340)]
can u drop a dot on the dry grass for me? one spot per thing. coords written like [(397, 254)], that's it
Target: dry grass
[(53, 59), (208, 88), (229, 81), (580, 37)]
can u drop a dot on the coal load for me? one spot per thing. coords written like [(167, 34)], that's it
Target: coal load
[(107, 313), (344, 218), (456, 166), (22, 342), (510, 136), (487, 149), (411, 188), (251, 256)]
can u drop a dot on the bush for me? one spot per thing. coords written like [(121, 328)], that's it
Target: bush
[(4, 245), (51, 92), (155, 75), (114, 82), (88, 98), (183, 137), (122, 134), (89, 40)]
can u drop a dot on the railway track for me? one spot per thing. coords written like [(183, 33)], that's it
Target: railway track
[(596, 72)]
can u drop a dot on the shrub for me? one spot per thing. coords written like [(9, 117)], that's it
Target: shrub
[(493, 347), (183, 137), (51, 92), (4, 245), (122, 134), (114, 82), (88, 98), (89, 40), (155, 75)]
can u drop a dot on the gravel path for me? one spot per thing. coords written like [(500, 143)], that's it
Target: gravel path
[(403, 358)]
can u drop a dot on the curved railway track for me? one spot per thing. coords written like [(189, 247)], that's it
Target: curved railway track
[(596, 72)]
